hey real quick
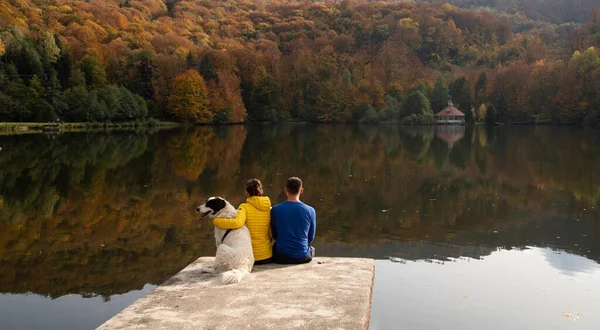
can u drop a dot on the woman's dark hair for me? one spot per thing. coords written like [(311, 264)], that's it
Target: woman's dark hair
[(254, 187)]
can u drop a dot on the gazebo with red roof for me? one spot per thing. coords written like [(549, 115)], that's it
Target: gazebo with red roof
[(450, 115)]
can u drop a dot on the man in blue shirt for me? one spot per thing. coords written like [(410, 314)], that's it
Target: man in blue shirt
[(293, 225)]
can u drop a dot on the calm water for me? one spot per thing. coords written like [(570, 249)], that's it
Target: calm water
[(478, 228)]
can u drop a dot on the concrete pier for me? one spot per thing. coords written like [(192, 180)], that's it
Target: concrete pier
[(328, 293)]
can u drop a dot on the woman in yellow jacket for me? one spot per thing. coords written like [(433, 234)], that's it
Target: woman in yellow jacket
[(256, 215)]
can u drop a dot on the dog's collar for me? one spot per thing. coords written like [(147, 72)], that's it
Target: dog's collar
[(226, 233)]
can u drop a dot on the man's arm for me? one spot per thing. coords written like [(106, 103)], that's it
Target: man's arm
[(313, 226), (273, 227), (238, 222)]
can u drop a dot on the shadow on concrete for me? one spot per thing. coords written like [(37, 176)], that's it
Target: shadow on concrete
[(262, 268)]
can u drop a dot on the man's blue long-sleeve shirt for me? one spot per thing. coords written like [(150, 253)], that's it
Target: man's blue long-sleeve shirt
[(293, 226)]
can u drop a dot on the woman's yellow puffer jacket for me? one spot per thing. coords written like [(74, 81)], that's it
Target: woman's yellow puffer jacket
[(256, 215)]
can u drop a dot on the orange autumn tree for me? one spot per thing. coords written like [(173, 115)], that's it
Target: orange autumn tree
[(188, 99)]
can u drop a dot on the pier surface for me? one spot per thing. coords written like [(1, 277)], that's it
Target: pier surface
[(328, 293)]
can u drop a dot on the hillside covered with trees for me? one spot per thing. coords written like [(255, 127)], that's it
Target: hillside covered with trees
[(245, 60)]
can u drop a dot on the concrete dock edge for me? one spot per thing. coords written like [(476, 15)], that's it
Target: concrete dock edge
[(328, 293)]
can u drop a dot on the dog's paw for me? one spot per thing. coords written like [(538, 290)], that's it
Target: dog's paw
[(208, 270)]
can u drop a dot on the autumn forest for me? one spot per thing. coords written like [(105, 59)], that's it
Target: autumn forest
[(217, 62)]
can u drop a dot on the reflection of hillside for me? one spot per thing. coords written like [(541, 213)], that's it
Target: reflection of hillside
[(555, 231), (106, 214), (560, 234), (112, 221), (571, 265), (415, 250)]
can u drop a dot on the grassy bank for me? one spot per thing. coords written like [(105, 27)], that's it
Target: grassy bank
[(23, 128)]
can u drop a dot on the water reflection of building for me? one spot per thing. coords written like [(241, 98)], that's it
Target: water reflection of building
[(451, 134)]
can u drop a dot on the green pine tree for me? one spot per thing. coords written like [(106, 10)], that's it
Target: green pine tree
[(462, 97), (439, 96)]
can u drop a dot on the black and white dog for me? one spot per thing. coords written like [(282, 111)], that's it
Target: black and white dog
[(234, 258)]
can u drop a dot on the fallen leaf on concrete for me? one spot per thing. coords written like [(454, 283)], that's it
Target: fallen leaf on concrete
[(464, 297)]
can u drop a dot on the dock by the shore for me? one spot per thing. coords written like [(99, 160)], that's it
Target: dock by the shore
[(328, 293)]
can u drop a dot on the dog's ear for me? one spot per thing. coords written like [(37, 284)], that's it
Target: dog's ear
[(216, 204)]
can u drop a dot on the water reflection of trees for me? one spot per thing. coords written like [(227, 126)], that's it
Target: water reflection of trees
[(106, 214), (103, 214)]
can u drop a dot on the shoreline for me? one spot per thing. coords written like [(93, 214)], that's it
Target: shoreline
[(15, 128)]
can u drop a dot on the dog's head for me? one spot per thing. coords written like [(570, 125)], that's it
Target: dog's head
[(212, 206)]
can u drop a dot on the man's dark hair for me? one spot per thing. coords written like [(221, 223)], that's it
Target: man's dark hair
[(293, 185), (254, 187)]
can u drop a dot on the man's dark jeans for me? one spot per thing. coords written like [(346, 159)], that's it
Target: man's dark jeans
[(281, 259)]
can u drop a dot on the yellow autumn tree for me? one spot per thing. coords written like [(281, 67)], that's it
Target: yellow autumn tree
[(1, 48), (188, 99)]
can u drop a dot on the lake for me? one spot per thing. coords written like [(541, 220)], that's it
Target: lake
[(472, 227)]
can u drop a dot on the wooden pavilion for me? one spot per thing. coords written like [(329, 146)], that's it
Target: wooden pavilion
[(450, 115)]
